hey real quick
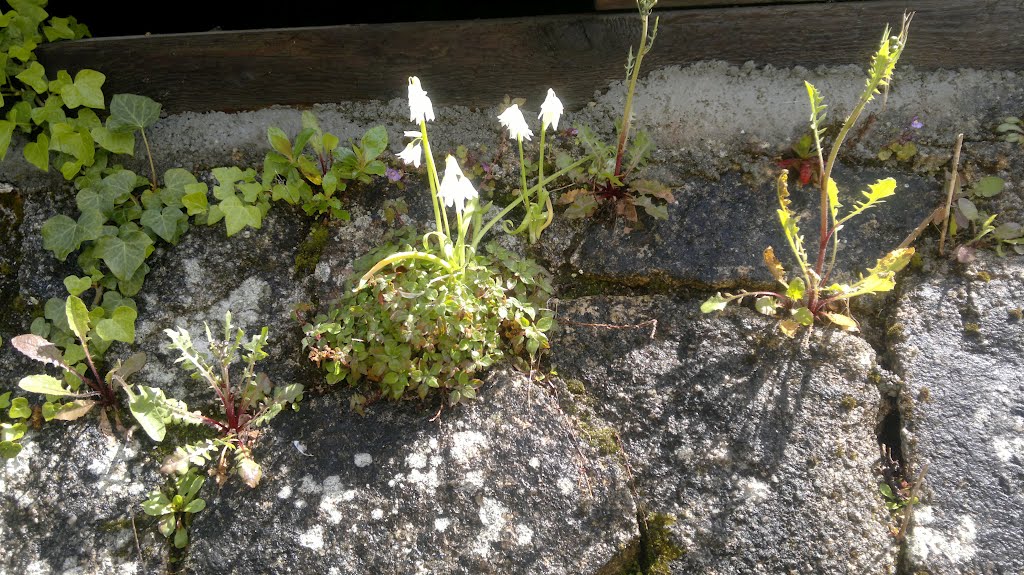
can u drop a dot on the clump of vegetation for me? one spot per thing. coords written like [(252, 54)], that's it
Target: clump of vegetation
[(432, 317), (173, 507), (810, 296), (610, 174), (902, 148), (247, 403), (804, 160), (19, 413), (980, 227), (314, 180)]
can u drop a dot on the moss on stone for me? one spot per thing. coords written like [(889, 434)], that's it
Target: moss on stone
[(601, 438), (310, 250), (657, 550)]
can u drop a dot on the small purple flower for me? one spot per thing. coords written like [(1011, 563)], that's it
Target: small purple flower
[(393, 175), (916, 124)]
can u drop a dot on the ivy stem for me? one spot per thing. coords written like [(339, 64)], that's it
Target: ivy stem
[(149, 153)]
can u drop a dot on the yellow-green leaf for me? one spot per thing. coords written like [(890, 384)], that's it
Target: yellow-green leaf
[(844, 322), (876, 193), (78, 317)]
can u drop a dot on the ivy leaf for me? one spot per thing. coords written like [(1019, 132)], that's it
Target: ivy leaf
[(120, 326), (85, 90), (20, 409), (789, 327), (238, 215), (65, 138), (44, 384), (34, 77), (116, 142), (76, 285), (164, 223), (714, 303), (63, 235), (195, 202), (125, 253), (130, 112), (177, 183), (6, 131), (37, 153), (132, 285)]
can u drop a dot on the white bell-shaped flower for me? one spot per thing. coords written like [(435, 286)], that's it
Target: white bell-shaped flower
[(550, 110), (420, 108), (412, 153), (512, 118), (456, 189)]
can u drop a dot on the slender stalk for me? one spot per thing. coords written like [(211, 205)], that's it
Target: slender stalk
[(949, 192), (627, 112), (149, 153), (442, 224), (522, 177)]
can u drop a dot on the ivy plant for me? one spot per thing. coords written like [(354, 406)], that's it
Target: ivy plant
[(18, 414), (247, 402), (313, 181), (809, 295)]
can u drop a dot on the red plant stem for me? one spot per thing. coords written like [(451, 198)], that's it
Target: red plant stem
[(104, 390), (229, 401)]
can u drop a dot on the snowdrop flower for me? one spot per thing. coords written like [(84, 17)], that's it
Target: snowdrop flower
[(420, 108), (550, 110), (412, 153), (513, 119), (456, 189)]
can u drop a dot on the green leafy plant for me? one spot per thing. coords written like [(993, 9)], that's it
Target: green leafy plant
[(980, 226), (1012, 129), (609, 175), (54, 115), (810, 296), (246, 403), (411, 332), (291, 174), (902, 148), (18, 412), (804, 160), (81, 386), (174, 507)]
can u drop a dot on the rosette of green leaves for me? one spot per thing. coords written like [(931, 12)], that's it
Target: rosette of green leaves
[(412, 332), (78, 356), (245, 403), (313, 180), (174, 508), (18, 413)]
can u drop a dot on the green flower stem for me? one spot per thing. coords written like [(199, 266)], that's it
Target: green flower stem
[(522, 176), (397, 257), (627, 111), (439, 212), (542, 192), (478, 235)]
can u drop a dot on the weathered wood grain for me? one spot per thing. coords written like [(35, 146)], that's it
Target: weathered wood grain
[(475, 63)]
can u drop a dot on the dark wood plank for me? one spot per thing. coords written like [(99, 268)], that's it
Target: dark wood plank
[(474, 63), (631, 4)]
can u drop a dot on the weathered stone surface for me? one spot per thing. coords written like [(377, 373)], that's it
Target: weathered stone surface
[(962, 359), (717, 230), (71, 504), (763, 448), (495, 487)]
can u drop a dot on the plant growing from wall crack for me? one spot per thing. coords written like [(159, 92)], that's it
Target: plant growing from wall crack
[(809, 296)]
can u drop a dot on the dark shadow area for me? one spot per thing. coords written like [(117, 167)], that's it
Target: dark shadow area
[(123, 18)]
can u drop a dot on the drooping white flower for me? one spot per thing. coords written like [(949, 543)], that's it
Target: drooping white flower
[(456, 189), (420, 108), (550, 110), (412, 153), (413, 134), (512, 118)]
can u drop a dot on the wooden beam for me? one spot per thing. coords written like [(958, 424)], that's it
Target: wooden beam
[(631, 4), (474, 63)]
